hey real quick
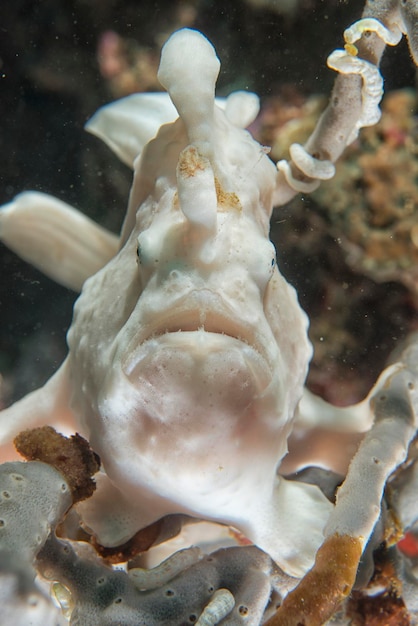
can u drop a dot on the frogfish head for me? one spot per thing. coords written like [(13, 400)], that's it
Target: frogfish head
[(204, 334), (215, 325)]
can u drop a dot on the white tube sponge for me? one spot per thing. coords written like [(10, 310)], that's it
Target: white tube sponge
[(196, 189), (309, 165), (347, 62), (188, 70), (219, 606), (382, 450), (315, 169), (372, 89), (294, 183), (370, 24)]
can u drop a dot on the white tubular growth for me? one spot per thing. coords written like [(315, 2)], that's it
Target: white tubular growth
[(372, 90), (382, 450), (299, 186), (358, 506), (348, 110), (370, 24), (315, 169), (344, 62), (220, 606), (347, 62)]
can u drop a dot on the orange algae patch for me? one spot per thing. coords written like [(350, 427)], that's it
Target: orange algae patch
[(190, 162), (408, 545), (324, 587), (226, 199)]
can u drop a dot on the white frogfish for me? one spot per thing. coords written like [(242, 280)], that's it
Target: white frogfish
[(188, 349)]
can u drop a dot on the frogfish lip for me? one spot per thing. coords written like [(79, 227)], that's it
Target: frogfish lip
[(201, 310), (200, 320), (216, 363), (198, 331)]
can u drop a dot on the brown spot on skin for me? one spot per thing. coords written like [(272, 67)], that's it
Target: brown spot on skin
[(190, 162), (227, 200), (324, 587), (72, 456), (176, 203)]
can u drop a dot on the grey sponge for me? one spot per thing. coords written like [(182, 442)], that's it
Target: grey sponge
[(33, 499), (102, 596)]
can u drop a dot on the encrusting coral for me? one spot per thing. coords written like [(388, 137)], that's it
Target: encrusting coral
[(187, 358)]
